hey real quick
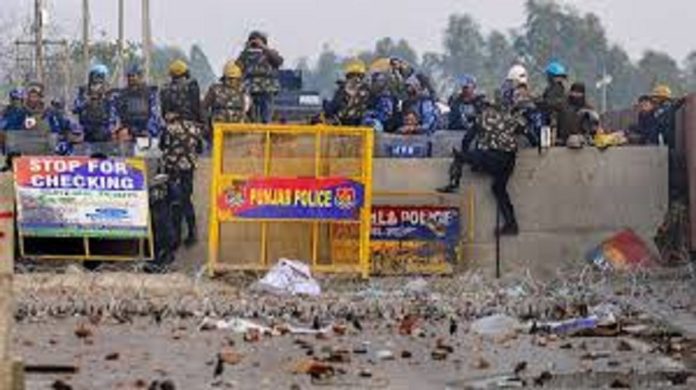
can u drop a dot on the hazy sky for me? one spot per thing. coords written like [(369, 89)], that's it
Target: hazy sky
[(301, 27)]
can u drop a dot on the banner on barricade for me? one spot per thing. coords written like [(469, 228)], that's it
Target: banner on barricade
[(81, 197), (291, 198), (407, 239)]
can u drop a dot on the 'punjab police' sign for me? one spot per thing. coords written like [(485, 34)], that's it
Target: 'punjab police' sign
[(81, 197)]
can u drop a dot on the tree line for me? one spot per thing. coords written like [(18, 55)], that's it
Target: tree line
[(551, 31)]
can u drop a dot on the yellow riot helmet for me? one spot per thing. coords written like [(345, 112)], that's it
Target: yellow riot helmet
[(380, 65), (662, 91), (355, 67), (232, 70), (178, 68)]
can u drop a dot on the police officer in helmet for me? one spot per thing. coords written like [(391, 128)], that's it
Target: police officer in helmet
[(181, 143), (137, 107), (95, 107)]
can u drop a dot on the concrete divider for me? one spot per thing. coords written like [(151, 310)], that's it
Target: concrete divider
[(567, 201)]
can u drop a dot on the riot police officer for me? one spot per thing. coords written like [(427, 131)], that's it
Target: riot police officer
[(95, 107), (137, 108), (181, 143)]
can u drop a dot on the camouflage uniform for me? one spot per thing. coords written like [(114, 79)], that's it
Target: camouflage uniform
[(260, 69), (495, 154), (180, 144), (181, 96), (497, 130), (224, 103), (350, 103)]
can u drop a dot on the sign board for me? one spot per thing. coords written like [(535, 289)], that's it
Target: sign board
[(81, 197), (291, 198), (407, 239)]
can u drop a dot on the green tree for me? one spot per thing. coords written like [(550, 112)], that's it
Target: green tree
[(690, 71), (499, 56), (323, 78), (659, 68), (464, 48)]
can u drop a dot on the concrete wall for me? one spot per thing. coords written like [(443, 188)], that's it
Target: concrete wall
[(567, 201)]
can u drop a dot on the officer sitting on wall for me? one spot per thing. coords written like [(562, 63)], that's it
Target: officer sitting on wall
[(555, 98), (381, 113), (517, 98), (419, 101), (465, 105), (351, 100), (95, 107), (137, 108), (495, 154)]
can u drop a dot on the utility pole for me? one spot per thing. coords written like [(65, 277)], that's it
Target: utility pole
[(85, 35), (38, 39), (147, 38), (121, 34)]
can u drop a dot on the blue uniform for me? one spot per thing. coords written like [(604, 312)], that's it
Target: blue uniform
[(138, 110), (13, 117), (381, 112), (96, 112), (463, 113), (427, 111)]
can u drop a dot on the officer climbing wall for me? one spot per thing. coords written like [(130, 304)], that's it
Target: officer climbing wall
[(495, 154), (95, 107), (260, 64), (137, 108), (181, 143)]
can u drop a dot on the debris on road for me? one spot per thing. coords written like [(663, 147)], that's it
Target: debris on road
[(288, 277), (497, 325)]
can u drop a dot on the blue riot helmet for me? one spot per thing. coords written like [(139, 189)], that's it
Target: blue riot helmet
[(556, 69), (98, 71), (134, 70), (17, 94), (467, 81)]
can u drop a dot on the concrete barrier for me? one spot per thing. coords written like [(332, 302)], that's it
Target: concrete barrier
[(567, 201)]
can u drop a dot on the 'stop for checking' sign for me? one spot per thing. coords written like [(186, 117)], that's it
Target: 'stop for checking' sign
[(81, 197)]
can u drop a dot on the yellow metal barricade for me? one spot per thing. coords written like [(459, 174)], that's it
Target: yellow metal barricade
[(282, 191)]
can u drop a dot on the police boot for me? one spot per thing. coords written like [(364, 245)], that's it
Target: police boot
[(192, 238), (510, 228), (455, 173)]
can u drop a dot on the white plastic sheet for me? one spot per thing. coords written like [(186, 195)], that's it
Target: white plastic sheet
[(289, 277)]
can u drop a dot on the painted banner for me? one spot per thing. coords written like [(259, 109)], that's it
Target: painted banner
[(291, 198), (405, 239), (81, 197), (408, 223)]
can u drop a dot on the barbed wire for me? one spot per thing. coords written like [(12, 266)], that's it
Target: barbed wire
[(120, 292)]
